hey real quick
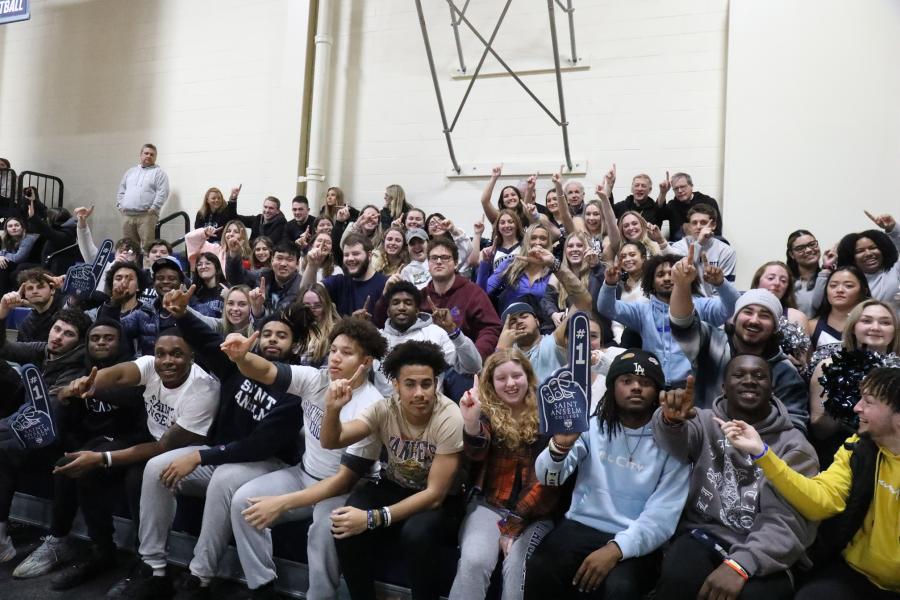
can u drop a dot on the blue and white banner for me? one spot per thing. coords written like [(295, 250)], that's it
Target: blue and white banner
[(14, 10)]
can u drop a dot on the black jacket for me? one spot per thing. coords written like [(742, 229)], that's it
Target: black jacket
[(254, 421), (113, 414), (36, 326)]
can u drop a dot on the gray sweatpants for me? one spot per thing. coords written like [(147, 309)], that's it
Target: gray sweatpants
[(158, 506), (479, 541), (255, 546)]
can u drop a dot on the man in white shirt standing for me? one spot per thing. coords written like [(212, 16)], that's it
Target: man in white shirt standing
[(142, 193)]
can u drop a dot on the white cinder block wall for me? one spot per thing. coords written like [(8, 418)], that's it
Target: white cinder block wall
[(813, 127), (652, 99), (215, 84)]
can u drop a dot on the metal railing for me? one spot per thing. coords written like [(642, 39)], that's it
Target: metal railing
[(185, 219), (49, 188), (8, 184)]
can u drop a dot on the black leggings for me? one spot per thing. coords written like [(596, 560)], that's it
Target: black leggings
[(838, 581), (420, 538), (688, 563), (553, 565)]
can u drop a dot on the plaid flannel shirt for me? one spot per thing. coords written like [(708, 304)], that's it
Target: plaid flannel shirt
[(508, 481)]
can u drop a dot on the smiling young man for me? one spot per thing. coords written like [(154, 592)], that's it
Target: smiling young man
[(605, 546), (310, 488), (254, 432), (650, 319), (38, 288), (754, 330), (406, 323), (180, 400), (858, 494), (707, 248), (731, 503), (60, 359), (301, 228), (282, 280), (417, 271), (105, 421), (421, 432), (359, 286)]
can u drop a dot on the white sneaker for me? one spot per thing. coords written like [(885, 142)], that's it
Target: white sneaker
[(7, 550), (45, 558)]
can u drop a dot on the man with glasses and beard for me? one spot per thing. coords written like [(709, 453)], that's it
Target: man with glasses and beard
[(359, 287)]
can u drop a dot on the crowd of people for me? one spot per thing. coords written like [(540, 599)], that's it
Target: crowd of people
[(375, 369)]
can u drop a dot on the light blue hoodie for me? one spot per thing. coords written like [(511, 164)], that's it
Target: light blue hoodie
[(638, 499), (651, 321)]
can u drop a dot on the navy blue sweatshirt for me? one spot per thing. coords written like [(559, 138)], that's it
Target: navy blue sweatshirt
[(255, 421)]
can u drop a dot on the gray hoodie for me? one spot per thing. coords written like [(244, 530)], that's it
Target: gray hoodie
[(730, 497), (459, 351)]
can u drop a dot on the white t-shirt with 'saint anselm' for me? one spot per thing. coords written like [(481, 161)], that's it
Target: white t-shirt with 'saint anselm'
[(192, 405)]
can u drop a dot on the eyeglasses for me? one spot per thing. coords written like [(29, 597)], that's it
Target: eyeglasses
[(439, 258), (126, 252), (812, 246)]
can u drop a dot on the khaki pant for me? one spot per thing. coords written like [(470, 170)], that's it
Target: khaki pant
[(140, 228)]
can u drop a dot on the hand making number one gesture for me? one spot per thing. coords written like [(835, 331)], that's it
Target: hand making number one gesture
[(678, 405), (886, 222)]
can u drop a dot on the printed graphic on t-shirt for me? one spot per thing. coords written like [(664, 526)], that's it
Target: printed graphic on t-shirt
[(410, 461), (158, 411), (99, 406), (254, 399), (312, 416), (735, 480)]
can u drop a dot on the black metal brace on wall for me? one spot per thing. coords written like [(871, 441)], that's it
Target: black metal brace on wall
[(457, 17)]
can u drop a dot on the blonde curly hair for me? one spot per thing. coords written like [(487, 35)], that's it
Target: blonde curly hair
[(508, 431)]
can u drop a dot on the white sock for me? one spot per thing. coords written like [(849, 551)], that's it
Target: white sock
[(159, 572), (204, 581)]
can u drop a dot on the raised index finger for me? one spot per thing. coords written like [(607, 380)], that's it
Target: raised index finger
[(689, 389), (872, 217), (690, 255)]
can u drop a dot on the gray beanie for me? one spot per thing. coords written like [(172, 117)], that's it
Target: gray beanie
[(764, 298)]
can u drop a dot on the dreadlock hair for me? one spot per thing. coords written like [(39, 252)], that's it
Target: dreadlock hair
[(884, 384)]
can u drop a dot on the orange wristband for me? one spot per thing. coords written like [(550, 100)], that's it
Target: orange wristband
[(737, 568)]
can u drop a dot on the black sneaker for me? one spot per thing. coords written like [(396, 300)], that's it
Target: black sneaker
[(153, 588), (191, 584), (265, 592), (96, 563), (124, 588), (142, 585)]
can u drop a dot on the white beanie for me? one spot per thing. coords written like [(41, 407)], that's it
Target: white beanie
[(764, 298)]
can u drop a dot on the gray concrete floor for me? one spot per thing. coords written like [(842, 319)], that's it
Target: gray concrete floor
[(27, 538)]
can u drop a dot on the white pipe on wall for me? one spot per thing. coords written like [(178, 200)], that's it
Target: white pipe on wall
[(315, 169)]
